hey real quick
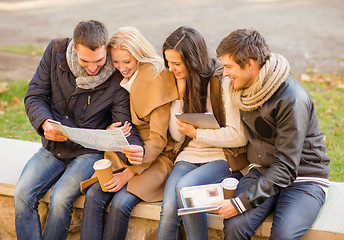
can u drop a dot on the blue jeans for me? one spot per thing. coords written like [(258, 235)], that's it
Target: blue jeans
[(295, 209), (40, 173), (96, 202), (186, 174)]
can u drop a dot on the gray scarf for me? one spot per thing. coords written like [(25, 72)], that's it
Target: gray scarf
[(271, 76), (83, 80)]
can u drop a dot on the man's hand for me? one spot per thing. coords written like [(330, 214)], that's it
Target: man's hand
[(51, 134), (186, 129), (119, 180), (226, 210), (126, 128), (134, 153)]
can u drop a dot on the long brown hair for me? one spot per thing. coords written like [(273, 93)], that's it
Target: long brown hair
[(193, 50)]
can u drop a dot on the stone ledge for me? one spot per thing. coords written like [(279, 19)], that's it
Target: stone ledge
[(145, 216)]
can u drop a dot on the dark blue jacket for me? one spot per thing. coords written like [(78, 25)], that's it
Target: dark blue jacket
[(52, 93)]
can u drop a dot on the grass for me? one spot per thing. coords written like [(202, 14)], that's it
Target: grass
[(13, 120), (327, 92), (23, 49)]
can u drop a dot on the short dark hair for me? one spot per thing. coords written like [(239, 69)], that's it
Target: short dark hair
[(244, 44), (91, 34)]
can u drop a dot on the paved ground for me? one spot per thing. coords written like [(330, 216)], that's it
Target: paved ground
[(308, 32)]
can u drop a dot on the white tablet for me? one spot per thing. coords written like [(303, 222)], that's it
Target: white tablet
[(199, 120)]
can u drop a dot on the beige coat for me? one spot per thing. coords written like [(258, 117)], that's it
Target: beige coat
[(150, 101)]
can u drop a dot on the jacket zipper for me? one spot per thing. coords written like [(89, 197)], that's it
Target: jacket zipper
[(88, 103)]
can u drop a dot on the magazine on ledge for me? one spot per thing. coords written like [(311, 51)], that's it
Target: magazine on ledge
[(200, 198)]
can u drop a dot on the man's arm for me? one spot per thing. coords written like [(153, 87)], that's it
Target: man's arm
[(37, 98), (292, 119)]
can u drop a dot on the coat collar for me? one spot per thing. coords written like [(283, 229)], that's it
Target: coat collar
[(149, 91)]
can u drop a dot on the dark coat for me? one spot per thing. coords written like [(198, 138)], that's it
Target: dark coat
[(52, 93), (285, 139)]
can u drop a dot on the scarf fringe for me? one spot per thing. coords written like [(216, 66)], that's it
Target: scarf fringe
[(271, 76), (83, 80)]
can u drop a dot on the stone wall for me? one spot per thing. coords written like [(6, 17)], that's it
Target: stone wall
[(139, 228)]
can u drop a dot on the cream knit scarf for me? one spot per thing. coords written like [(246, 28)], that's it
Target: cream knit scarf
[(271, 76), (83, 80)]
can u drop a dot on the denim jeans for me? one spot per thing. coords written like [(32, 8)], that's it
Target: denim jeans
[(295, 209), (186, 174), (40, 173), (116, 225)]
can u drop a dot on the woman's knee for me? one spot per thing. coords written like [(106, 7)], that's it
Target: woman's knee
[(168, 211), (183, 182), (123, 202)]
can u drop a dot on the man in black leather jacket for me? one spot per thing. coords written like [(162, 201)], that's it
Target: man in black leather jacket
[(74, 84), (289, 167)]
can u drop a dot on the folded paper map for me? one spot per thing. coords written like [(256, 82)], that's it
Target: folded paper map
[(102, 140)]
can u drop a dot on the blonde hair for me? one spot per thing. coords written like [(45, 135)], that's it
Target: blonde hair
[(131, 39)]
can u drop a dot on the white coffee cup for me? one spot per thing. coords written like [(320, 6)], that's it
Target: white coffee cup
[(229, 186)]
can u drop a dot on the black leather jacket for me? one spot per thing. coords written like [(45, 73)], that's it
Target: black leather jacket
[(285, 139), (52, 93)]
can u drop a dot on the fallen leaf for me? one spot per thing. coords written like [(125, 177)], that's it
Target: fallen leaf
[(3, 87), (305, 77), (16, 101), (3, 104), (329, 111)]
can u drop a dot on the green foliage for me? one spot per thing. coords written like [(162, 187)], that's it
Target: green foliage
[(23, 49), (13, 120), (326, 91)]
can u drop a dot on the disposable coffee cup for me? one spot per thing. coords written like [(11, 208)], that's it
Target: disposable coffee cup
[(103, 169), (229, 186)]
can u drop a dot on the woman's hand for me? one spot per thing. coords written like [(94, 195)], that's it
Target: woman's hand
[(134, 153), (51, 134), (119, 180), (226, 210), (186, 129), (126, 128)]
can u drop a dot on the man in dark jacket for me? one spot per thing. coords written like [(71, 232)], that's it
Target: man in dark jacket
[(74, 84), (289, 168)]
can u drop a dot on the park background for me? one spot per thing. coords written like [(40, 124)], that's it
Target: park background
[(308, 32)]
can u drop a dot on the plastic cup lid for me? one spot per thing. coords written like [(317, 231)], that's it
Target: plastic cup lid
[(229, 183), (102, 164)]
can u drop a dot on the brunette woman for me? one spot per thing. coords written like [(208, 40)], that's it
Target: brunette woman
[(200, 158)]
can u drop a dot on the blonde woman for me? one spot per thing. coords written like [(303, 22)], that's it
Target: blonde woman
[(152, 89)]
